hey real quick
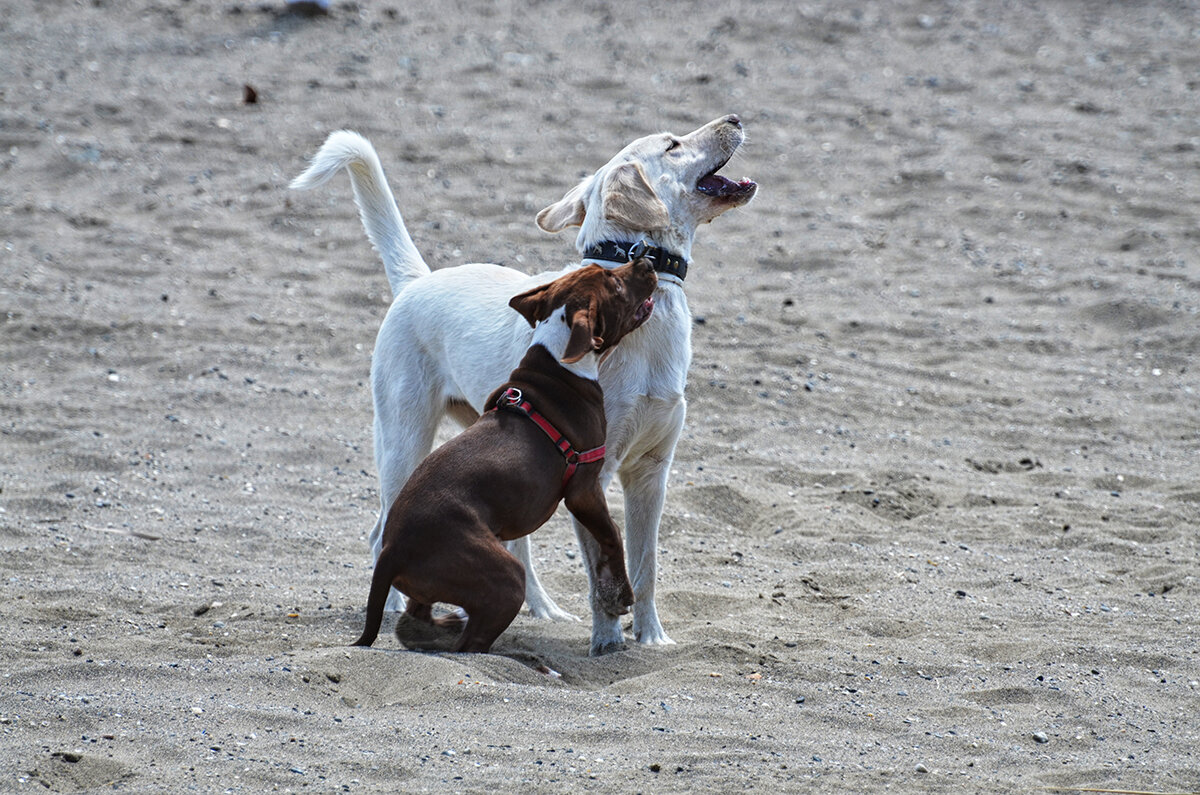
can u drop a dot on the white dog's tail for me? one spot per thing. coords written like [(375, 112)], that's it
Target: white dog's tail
[(376, 205)]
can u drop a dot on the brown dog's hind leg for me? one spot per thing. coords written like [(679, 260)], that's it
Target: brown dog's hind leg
[(494, 604), (416, 629)]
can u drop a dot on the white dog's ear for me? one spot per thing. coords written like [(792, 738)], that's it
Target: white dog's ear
[(629, 200), (567, 211)]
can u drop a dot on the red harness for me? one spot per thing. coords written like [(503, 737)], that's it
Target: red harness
[(512, 399)]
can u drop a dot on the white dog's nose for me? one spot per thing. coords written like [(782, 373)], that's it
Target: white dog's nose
[(734, 119)]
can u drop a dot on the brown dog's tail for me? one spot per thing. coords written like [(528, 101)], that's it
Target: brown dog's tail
[(381, 583)]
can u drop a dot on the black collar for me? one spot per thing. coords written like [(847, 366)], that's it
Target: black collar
[(664, 261)]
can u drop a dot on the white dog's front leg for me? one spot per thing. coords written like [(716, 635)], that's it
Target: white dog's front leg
[(607, 635), (645, 485), (539, 602)]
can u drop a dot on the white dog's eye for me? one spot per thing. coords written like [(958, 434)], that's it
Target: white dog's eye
[(672, 144)]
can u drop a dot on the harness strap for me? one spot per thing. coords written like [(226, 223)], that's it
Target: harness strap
[(512, 399)]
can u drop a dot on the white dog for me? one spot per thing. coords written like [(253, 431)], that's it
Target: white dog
[(450, 338)]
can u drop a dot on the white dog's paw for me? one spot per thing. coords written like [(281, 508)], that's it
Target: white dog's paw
[(648, 631), (657, 638), (606, 635), (549, 611), (599, 649)]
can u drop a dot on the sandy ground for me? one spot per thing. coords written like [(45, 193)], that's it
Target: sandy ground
[(933, 522)]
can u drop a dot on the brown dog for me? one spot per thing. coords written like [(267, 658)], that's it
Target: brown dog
[(502, 478)]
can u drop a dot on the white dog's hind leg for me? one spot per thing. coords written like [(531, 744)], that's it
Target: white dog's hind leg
[(539, 602), (410, 425)]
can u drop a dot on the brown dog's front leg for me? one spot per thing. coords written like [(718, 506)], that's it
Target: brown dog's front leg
[(612, 588)]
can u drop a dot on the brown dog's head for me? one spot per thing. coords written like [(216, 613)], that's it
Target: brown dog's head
[(601, 305)]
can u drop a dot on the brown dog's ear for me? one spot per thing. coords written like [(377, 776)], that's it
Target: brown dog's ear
[(583, 338), (534, 305), (567, 211), (629, 200)]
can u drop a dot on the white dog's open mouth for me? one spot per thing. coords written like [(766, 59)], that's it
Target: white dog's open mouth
[(643, 312), (723, 188), (719, 187)]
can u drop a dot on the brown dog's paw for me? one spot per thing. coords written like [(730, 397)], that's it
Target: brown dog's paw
[(418, 635), (613, 592), (454, 621)]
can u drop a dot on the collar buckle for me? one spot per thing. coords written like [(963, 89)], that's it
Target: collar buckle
[(510, 397)]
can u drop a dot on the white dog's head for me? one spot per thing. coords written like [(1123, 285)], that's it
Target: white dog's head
[(660, 188)]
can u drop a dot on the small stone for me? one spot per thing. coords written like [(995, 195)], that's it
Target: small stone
[(920, 768), (1040, 737)]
